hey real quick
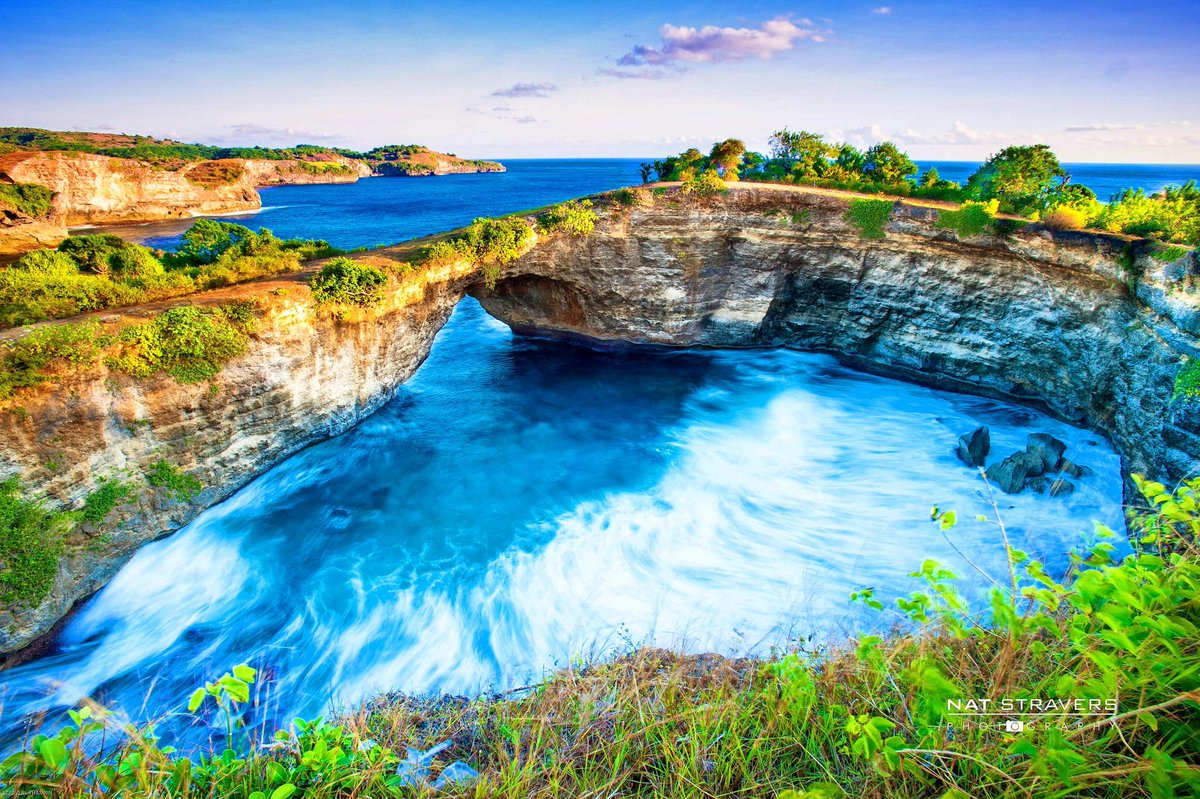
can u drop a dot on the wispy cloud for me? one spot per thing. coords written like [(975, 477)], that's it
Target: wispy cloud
[(1099, 126), (885, 10), (250, 133), (638, 74), (960, 134), (711, 44), (526, 90)]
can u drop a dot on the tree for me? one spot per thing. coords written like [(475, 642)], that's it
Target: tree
[(645, 171), (805, 154), (1022, 178), (931, 178), (726, 156), (884, 162)]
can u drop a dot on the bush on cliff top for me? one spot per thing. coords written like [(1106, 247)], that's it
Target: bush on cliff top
[(89, 273), (873, 718), (46, 352), (575, 217), (189, 343), (971, 219), (343, 280), (489, 243)]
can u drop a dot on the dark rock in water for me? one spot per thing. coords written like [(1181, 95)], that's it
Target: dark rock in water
[(1046, 447), (1037, 484), (1009, 474), (1073, 469), (1035, 464), (1061, 487), (973, 447)]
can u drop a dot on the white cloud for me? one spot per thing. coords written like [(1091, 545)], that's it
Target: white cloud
[(1101, 126), (526, 90), (248, 133), (711, 44), (882, 10)]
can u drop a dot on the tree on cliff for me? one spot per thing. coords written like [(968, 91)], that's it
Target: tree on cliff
[(1023, 178), (886, 163), (727, 157), (805, 154)]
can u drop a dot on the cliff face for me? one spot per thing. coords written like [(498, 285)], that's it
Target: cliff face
[(1043, 318), (264, 172), (94, 189)]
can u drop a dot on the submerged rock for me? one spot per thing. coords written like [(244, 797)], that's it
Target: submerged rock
[(1046, 448), (1009, 474), (1061, 487), (1073, 469), (1038, 484), (973, 447)]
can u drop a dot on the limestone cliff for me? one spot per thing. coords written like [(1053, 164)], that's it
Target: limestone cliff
[(93, 189), (1043, 318)]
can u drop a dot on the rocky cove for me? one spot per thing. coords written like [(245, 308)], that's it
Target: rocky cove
[(1084, 325)]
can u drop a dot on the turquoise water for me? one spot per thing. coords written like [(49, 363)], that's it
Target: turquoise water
[(522, 503)]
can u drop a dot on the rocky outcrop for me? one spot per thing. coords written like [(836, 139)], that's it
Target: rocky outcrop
[(99, 189), (94, 189), (1042, 318)]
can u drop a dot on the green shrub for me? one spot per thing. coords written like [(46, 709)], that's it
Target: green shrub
[(1168, 255), (46, 351), (135, 262), (324, 168), (50, 263), (30, 543), (1064, 217), (94, 253), (870, 217), (108, 495), (971, 219), (631, 197), (345, 281), (575, 217), (180, 485), (28, 199), (1187, 381), (704, 184), (189, 343)]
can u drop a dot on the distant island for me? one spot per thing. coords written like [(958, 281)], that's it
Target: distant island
[(51, 180)]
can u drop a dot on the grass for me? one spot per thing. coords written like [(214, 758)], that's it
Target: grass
[(870, 718), (870, 217), (30, 543), (178, 484)]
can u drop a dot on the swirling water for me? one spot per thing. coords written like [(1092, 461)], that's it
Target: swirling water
[(523, 502)]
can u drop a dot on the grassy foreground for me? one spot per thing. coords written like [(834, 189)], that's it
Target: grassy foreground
[(873, 718)]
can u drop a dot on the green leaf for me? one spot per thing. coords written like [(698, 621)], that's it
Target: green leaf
[(54, 752), (283, 791), (244, 672), (196, 699)]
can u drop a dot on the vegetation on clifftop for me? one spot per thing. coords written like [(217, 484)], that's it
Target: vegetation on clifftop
[(1025, 180), (1112, 651), (88, 273)]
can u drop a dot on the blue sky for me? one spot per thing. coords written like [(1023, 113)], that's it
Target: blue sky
[(1098, 81)]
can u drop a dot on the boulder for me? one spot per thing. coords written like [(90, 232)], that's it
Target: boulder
[(1047, 448), (1072, 469), (1009, 474), (1037, 484), (1061, 487), (973, 447), (1035, 464)]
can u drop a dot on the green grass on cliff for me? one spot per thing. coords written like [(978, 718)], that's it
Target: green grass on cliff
[(30, 542), (870, 217), (27, 199), (1112, 653)]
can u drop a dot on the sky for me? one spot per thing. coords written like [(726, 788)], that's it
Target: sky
[(1096, 80)]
